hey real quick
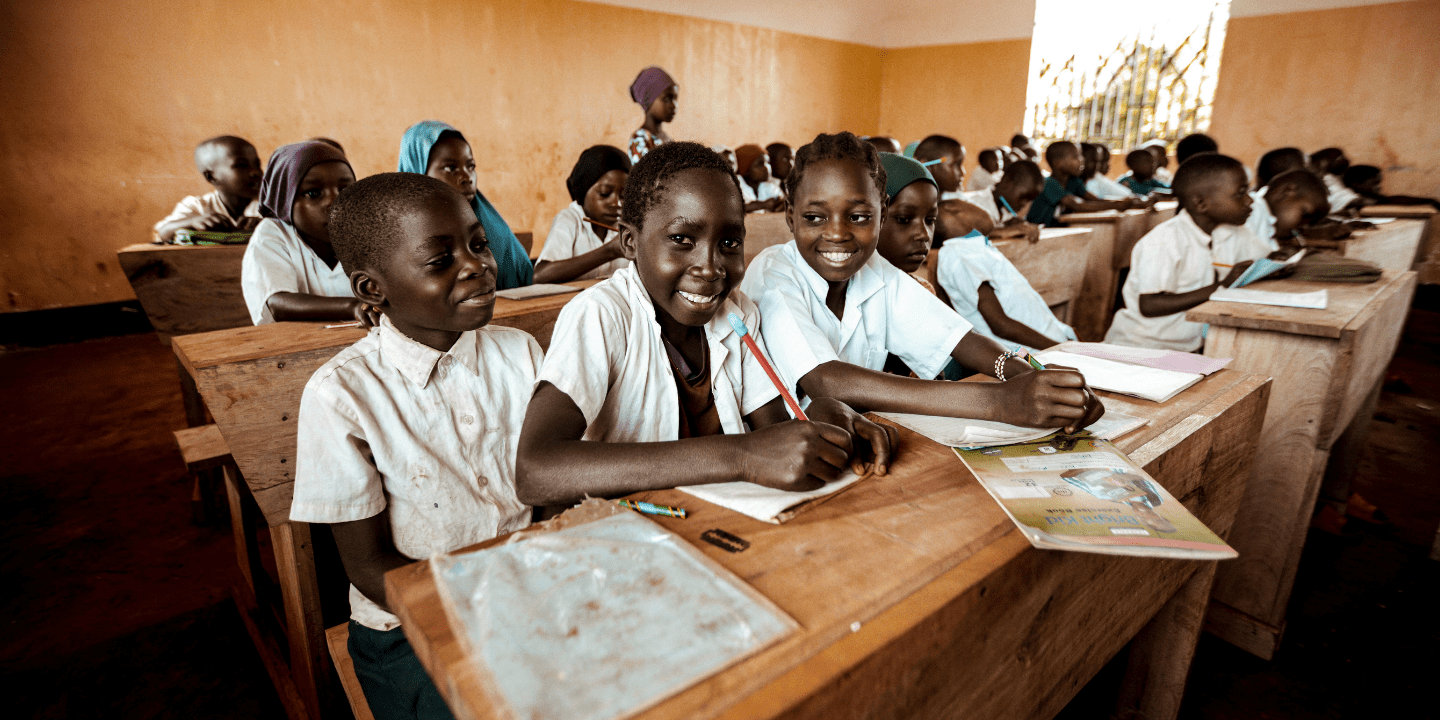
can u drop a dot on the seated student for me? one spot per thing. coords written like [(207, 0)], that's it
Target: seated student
[(1162, 159), (1330, 164), (580, 246), (1141, 179), (760, 191), (1192, 145), (1065, 190), (1095, 173), (1275, 162), (290, 270), (1021, 184), (884, 144), (944, 157), (988, 173), (231, 166), (1173, 268), (1293, 201), (647, 385), (1366, 180), (434, 148), (834, 311), (782, 158)]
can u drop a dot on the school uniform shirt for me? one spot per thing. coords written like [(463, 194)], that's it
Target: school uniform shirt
[(1175, 257), (1340, 195), (768, 189), (607, 355), (982, 179), (207, 204), (884, 313), (985, 200), (277, 260), (570, 236), (1106, 189), (392, 424), (1044, 208), (968, 262)]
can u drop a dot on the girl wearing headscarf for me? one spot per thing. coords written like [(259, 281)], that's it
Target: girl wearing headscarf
[(438, 150), (290, 271), (582, 244), (655, 92)]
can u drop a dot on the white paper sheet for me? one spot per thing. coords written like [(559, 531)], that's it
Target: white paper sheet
[(1316, 300)]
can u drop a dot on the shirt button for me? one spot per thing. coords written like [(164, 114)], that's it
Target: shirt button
[(468, 419)]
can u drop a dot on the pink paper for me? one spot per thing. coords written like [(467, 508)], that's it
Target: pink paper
[(1149, 357)]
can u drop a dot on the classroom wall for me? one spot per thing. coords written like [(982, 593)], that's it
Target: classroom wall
[(105, 102), (1360, 78)]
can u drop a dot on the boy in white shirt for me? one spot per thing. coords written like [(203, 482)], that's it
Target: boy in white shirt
[(988, 173), (1173, 268), (648, 386), (580, 245), (406, 439), (230, 165)]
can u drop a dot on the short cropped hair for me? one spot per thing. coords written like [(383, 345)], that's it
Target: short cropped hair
[(1279, 160), (365, 219), (1303, 181), (210, 151), (936, 146), (646, 186), (840, 146), (1052, 151), (1192, 145), (1202, 172)]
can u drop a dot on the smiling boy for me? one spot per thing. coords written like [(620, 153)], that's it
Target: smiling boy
[(231, 166), (407, 438)]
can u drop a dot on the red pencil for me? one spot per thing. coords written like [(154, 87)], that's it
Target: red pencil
[(744, 332)]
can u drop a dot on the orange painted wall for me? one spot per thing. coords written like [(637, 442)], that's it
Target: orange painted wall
[(974, 92), (1363, 78), (104, 104)]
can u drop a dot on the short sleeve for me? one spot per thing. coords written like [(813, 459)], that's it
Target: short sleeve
[(560, 242), (586, 349), (268, 268), (796, 344), (336, 479), (1154, 266), (921, 329)]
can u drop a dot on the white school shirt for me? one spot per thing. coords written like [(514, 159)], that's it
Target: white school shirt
[(277, 260), (968, 262), (391, 423), (1176, 257), (768, 189), (1340, 195), (985, 200), (982, 179), (1106, 189), (607, 355), (884, 313), (207, 204), (570, 236)]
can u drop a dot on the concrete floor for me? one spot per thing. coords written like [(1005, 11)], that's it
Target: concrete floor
[(119, 606)]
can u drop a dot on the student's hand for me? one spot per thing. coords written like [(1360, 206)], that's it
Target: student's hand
[(797, 456), (875, 443), (1048, 398), (368, 315), (1235, 273)]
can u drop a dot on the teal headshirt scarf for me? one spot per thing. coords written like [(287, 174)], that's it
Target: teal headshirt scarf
[(515, 269)]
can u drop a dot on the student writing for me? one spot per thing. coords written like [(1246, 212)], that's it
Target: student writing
[(581, 244), (231, 166)]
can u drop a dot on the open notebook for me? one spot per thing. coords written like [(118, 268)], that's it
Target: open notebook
[(1139, 381)]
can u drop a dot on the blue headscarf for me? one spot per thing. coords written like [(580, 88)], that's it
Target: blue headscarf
[(515, 269)]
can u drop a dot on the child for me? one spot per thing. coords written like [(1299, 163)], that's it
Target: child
[(1330, 164), (760, 193), (290, 271), (1096, 173), (1064, 188), (1194, 144), (406, 439), (1366, 180), (576, 249), (781, 160), (1173, 268), (834, 311), (433, 148), (944, 157), (1018, 187), (1275, 162), (1141, 179), (655, 92), (231, 166), (988, 173), (647, 385)]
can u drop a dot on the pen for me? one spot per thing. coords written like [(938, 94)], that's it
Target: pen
[(744, 332), (601, 225), (653, 509)]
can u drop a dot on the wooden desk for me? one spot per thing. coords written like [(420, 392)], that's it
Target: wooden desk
[(187, 289), (918, 598), (1427, 258), (252, 378), (1326, 364), (1050, 266)]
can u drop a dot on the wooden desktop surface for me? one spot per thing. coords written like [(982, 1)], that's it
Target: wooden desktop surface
[(917, 596)]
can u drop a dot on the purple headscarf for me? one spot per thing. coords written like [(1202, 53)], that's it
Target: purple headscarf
[(650, 84), (286, 168)]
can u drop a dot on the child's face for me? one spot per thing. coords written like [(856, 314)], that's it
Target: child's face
[(781, 161), (452, 162), (759, 171), (237, 172), (439, 278), (602, 200), (691, 251), (909, 225), (1228, 200), (318, 190), (1068, 161), (1294, 211), (835, 217), (1142, 166), (663, 109), (949, 172)]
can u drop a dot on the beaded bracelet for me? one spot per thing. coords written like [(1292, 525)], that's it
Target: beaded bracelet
[(1000, 363)]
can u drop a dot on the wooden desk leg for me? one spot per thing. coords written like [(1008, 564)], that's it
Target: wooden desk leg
[(309, 661), (1160, 655)]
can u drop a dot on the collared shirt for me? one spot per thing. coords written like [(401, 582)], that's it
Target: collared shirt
[(1044, 208), (607, 355), (985, 200), (391, 423), (884, 313), (208, 204), (1176, 257), (276, 261), (1106, 189), (570, 236), (768, 189), (968, 262), (982, 179)]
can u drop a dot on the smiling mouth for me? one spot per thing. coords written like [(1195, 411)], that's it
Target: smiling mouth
[(701, 300), (837, 258)]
